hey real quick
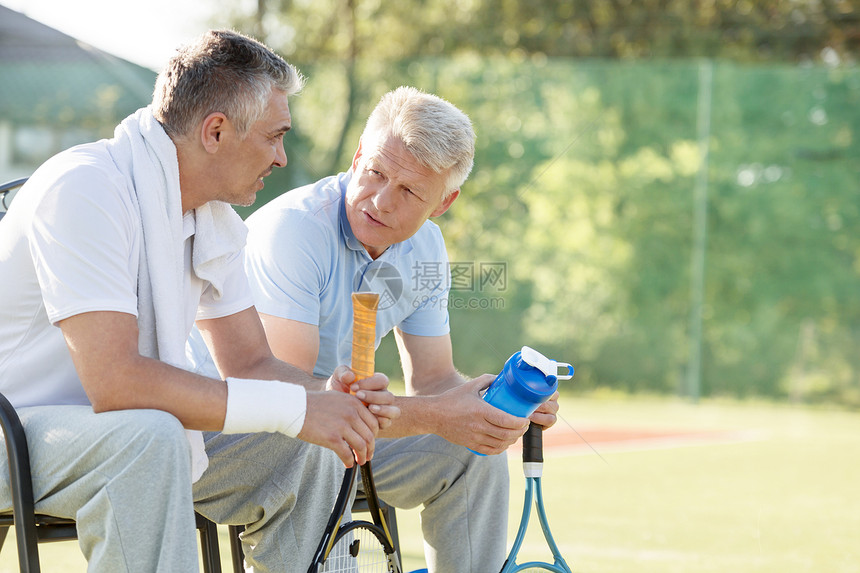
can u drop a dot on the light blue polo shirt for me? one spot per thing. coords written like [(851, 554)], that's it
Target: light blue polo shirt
[(304, 262)]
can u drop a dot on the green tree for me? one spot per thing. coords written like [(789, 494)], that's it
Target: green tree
[(585, 168)]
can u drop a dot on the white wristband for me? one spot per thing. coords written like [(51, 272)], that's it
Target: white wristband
[(264, 406)]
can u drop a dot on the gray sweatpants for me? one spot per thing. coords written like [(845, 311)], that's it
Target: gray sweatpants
[(464, 496), (281, 489), (124, 477)]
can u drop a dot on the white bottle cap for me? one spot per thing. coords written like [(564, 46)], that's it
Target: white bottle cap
[(549, 367)]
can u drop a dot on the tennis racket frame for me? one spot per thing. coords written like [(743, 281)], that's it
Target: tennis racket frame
[(335, 529), (364, 306), (533, 470)]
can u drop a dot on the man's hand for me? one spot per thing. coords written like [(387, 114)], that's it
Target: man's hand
[(545, 415), (465, 419), (372, 391), (341, 423)]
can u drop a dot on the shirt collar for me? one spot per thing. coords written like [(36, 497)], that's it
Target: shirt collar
[(345, 228)]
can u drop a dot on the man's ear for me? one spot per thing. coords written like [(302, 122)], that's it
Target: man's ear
[(446, 203), (212, 131), (356, 157)]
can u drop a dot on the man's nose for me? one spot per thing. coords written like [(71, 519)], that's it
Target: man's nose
[(281, 156), (384, 199)]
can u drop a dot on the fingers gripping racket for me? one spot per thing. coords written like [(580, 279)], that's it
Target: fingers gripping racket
[(533, 468), (358, 546)]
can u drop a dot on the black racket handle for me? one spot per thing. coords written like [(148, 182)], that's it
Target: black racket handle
[(533, 444)]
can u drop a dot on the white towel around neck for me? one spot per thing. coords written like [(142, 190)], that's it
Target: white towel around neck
[(147, 156)]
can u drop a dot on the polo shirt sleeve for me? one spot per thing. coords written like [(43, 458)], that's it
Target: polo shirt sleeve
[(286, 259), (85, 246), (430, 317)]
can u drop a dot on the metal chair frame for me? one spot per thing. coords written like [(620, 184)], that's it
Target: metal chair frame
[(32, 528), (5, 189)]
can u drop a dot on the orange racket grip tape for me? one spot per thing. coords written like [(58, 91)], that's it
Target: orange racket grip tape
[(364, 305)]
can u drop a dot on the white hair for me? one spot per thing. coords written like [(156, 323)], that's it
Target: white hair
[(436, 133)]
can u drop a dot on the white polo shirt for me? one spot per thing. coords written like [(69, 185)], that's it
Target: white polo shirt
[(70, 244)]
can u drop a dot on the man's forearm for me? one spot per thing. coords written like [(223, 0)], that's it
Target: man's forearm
[(274, 369), (418, 415), (433, 386), (421, 409)]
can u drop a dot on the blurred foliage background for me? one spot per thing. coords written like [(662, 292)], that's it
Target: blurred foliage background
[(665, 193)]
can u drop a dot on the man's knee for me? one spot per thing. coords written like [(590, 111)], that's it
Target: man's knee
[(154, 436), (321, 457), (489, 470)]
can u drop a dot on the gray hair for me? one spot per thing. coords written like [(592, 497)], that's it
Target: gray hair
[(223, 71), (436, 133)]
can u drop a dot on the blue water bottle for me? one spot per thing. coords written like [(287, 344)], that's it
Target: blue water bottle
[(527, 380)]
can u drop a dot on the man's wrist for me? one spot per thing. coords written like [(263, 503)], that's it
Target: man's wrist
[(264, 406), (418, 414)]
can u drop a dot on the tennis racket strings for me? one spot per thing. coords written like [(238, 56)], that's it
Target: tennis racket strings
[(360, 549)]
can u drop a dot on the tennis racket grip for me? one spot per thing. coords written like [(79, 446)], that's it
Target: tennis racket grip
[(533, 444), (364, 305)]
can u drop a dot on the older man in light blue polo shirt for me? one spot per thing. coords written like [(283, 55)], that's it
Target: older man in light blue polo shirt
[(369, 230), (304, 261)]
